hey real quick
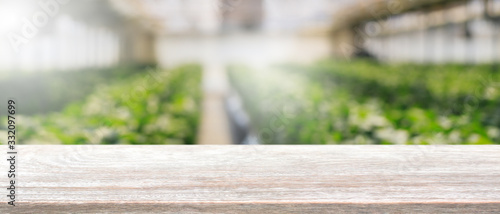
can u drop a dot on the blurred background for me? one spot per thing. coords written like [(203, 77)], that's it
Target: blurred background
[(251, 71)]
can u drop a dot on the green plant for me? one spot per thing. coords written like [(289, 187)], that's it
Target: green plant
[(148, 107), (364, 102)]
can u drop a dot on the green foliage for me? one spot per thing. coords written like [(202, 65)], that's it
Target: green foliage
[(45, 92), (363, 102), (149, 107)]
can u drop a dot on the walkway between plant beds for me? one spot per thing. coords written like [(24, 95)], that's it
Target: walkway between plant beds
[(214, 128), (214, 52)]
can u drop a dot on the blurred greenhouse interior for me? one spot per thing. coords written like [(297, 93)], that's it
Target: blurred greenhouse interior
[(251, 71)]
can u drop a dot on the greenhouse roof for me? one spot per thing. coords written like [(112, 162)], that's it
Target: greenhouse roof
[(367, 10)]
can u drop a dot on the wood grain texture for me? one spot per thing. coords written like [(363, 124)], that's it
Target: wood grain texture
[(256, 179)]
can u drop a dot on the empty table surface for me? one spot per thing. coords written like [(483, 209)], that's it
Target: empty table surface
[(255, 179)]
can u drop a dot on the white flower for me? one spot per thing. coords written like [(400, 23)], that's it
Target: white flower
[(473, 138), (445, 122), (454, 137), (491, 93), (393, 136), (493, 132)]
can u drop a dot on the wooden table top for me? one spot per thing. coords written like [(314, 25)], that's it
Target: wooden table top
[(255, 179)]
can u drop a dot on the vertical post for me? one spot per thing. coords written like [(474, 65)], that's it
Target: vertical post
[(423, 24), (494, 34), (138, 45)]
